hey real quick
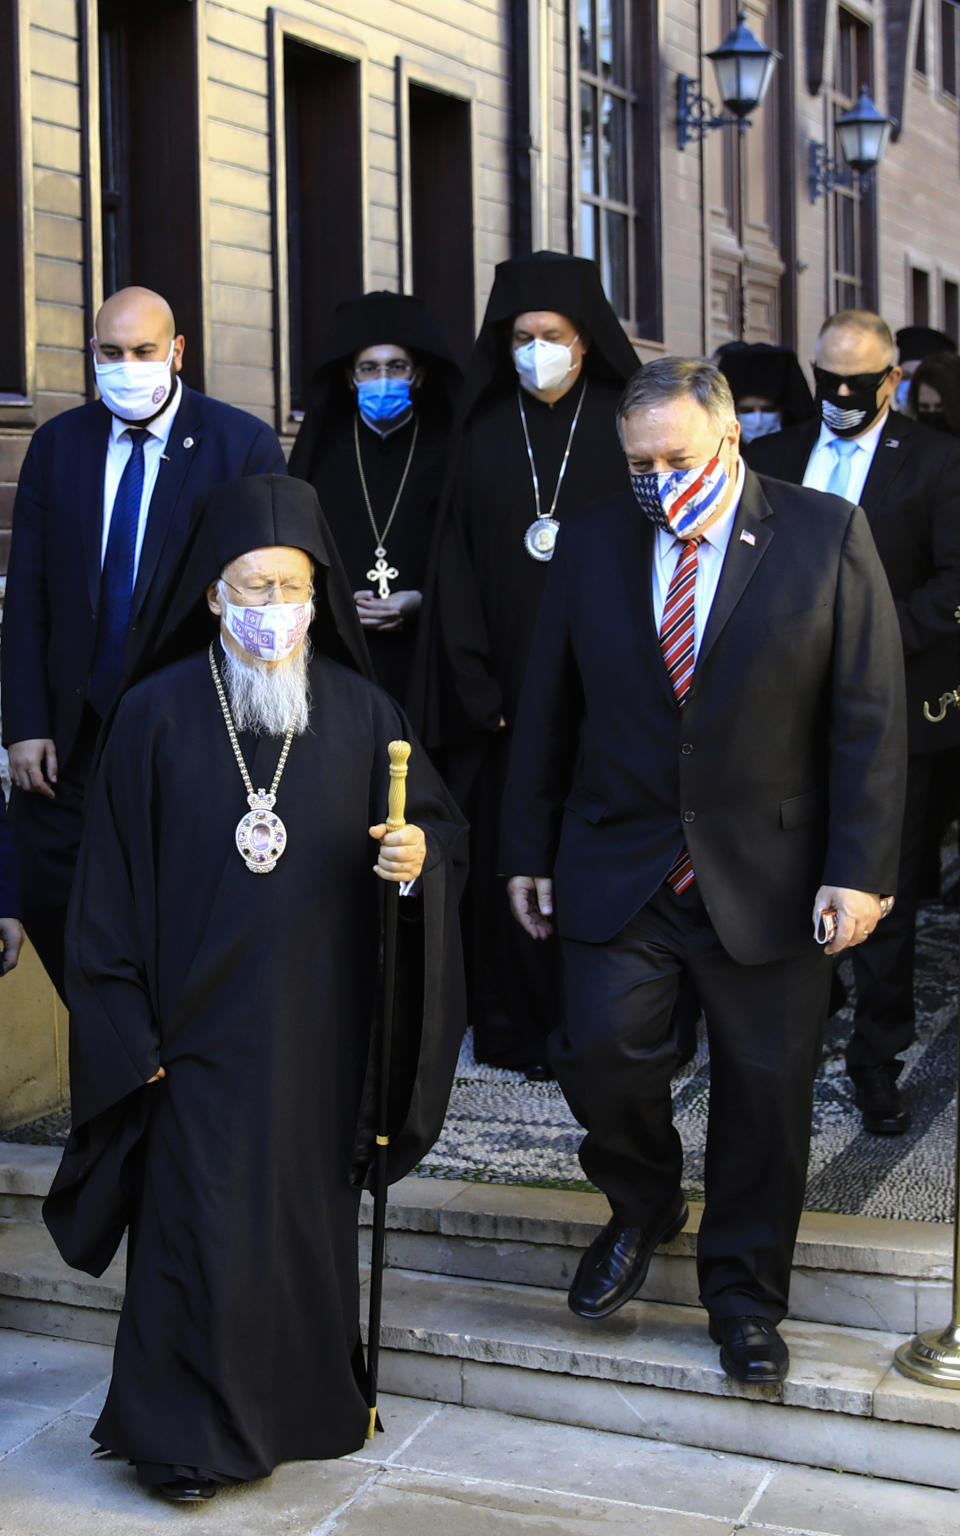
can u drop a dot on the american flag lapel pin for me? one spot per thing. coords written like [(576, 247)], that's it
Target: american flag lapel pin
[(746, 537), (891, 442)]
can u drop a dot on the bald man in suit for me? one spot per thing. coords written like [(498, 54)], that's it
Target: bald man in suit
[(907, 479), (101, 515)]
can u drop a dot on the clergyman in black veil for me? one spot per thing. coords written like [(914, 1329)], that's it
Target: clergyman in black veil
[(373, 444), (768, 386), (222, 962), (537, 442)]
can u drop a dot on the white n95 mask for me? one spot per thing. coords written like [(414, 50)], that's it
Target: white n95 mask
[(543, 364)]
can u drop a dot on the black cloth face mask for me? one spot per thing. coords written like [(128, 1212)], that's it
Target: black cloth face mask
[(846, 415)]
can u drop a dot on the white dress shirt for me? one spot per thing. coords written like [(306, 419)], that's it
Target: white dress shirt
[(119, 449), (823, 459), (667, 553)]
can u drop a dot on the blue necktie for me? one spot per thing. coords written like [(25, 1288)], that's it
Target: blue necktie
[(116, 578), (840, 474)]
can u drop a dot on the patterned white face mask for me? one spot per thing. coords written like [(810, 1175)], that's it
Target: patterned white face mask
[(270, 633), (681, 500)]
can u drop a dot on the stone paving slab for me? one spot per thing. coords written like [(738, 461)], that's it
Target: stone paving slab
[(439, 1470), (50, 1373)]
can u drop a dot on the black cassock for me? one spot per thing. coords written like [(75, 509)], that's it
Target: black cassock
[(325, 454), (482, 600), (239, 1340), (515, 980), (337, 481)]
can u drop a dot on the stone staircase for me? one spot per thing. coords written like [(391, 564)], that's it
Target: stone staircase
[(475, 1313)]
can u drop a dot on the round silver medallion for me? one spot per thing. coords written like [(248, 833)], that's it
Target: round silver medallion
[(261, 839), (541, 537)]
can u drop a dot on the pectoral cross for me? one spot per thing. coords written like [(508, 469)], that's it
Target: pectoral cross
[(383, 573)]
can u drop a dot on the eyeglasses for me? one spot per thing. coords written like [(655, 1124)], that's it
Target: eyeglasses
[(853, 381), (286, 592), (395, 369)]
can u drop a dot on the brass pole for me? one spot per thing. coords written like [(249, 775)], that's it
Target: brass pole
[(934, 1356)]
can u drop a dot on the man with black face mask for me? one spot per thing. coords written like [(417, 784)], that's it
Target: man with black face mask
[(907, 479)]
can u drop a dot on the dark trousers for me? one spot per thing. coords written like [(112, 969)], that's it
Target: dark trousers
[(47, 834), (883, 964), (614, 1057)]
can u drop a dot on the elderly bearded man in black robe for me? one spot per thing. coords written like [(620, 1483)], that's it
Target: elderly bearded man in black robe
[(221, 1013)]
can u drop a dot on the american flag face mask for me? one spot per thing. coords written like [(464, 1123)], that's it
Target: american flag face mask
[(681, 500)]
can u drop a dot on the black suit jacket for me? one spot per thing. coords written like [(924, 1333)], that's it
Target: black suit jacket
[(912, 500), (53, 581), (784, 769)]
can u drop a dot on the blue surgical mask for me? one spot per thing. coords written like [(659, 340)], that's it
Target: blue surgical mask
[(903, 390), (384, 399), (754, 424)]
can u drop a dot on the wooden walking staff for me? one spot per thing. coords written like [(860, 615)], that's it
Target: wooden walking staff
[(396, 806), (934, 1356)]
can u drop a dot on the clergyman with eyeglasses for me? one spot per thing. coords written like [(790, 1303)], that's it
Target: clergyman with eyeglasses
[(222, 972), (373, 444)]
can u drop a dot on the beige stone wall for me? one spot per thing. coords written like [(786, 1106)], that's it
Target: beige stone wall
[(468, 43), (33, 1044)]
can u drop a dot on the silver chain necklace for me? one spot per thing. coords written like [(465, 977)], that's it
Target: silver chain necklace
[(541, 537), (383, 572), (261, 836)]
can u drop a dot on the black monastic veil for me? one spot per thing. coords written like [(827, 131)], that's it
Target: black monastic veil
[(238, 1174)]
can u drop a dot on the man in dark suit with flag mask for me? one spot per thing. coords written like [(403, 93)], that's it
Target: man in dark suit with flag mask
[(102, 512), (708, 756)]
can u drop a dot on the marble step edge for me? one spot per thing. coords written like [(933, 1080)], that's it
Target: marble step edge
[(844, 1371), (864, 1245), (31, 1271), (838, 1369)]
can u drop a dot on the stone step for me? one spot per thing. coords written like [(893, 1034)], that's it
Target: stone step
[(650, 1370), (26, 1174), (894, 1276)]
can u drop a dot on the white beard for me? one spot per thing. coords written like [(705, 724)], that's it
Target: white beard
[(269, 700)]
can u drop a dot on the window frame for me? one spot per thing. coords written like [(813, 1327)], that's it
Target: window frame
[(953, 95), (284, 25), (836, 101), (640, 93), (462, 87), (18, 408)]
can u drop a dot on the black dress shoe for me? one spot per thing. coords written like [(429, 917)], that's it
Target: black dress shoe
[(877, 1096), (751, 1349), (186, 1490), (539, 1072), (615, 1265)]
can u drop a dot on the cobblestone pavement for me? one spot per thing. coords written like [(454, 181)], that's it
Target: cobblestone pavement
[(438, 1470)]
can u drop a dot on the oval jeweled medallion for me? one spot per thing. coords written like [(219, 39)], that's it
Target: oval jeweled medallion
[(261, 835), (541, 537)]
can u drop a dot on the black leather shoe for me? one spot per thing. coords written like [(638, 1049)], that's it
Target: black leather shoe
[(186, 1490), (751, 1349), (877, 1096), (615, 1265)]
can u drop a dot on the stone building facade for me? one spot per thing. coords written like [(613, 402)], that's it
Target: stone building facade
[(258, 162)]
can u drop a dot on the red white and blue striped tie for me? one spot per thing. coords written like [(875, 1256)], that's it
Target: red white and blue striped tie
[(676, 643)]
